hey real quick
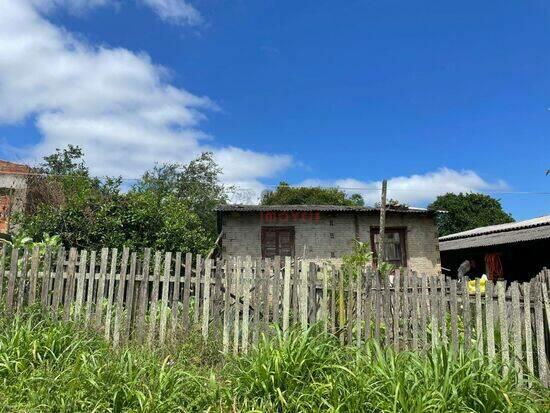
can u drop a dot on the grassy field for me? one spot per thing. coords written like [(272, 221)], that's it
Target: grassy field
[(48, 366)]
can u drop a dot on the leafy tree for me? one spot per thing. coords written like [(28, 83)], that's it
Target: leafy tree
[(170, 208), (197, 184), (284, 194), (468, 211)]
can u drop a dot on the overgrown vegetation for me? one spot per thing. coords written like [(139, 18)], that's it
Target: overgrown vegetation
[(170, 208), (47, 366), (285, 194)]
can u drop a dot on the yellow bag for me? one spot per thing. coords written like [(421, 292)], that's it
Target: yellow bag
[(472, 285)]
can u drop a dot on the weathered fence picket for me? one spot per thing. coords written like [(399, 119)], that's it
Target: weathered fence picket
[(142, 296)]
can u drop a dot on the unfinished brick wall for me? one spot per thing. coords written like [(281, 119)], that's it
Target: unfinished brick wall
[(13, 192), (332, 234)]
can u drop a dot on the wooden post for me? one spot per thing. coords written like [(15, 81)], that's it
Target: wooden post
[(479, 318), (111, 293), (516, 331), (35, 261), (238, 295), (22, 281), (503, 322), (276, 288), (101, 286), (303, 294), (206, 302), (176, 294), (528, 330), (454, 316), (46, 278), (227, 307), (58, 284), (90, 292), (541, 351), (2, 268), (382, 233), (69, 284), (143, 295), (80, 283), (286, 294), (466, 313), (246, 302), (130, 297), (489, 320), (154, 298), (187, 290), (120, 296), (165, 290)]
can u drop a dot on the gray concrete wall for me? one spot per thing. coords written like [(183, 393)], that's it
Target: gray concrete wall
[(332, 235)]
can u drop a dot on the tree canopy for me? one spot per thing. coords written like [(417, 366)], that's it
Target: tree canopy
[(468, 211), (284, 194), (170, 208)]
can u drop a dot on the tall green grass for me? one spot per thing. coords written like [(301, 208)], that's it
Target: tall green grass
[(48, 366)]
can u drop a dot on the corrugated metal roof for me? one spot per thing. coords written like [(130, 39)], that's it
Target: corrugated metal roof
[(513, 226), (497, 238), (11, 167), (315, 208)]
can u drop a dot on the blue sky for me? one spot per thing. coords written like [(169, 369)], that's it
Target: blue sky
[(435, 96)]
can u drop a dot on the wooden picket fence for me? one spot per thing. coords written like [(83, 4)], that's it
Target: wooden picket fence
[(153, 297)]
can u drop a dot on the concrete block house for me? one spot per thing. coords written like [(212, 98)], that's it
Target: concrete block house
[(327, 232)]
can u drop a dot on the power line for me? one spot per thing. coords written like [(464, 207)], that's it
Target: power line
[(235, 188)]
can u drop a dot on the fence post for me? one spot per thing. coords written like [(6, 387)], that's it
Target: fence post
[(516, 328), (479, 318), (35, 263), (154, 298), (489, 320), (503, 322), (238, 295), (176, 294), (466, 313), (90, 291), (396, 309), (69, 283), (226, 306), (46, 278), (246, 302), (187, 291), (541, 351), (206, 298), (80, 283), (286, 294), (101, 286), (303, 294), (120, 296), (528, 330)]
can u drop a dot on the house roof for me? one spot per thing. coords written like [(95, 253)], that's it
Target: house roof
[(13, 168), (529, 230), (316, 208)]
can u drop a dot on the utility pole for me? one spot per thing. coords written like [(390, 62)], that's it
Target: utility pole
[(382, 233)]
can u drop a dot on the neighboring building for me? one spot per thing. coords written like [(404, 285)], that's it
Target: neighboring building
[(13, 192), (324, 232), (515, 251)]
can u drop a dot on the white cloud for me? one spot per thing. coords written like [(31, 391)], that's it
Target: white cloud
[(175, 11), (415, 190), (116, 104), (172, 11), (73, 6)]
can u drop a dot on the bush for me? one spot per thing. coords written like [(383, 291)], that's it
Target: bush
[(48, 366)]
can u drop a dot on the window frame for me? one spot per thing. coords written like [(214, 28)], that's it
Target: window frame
[(402, 231), (278, 229)]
